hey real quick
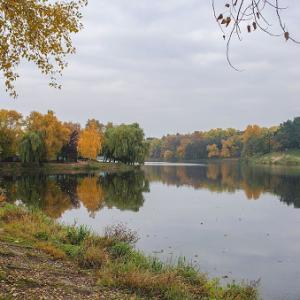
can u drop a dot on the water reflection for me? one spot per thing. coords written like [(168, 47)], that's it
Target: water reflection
[(55, 194), (231, 177)]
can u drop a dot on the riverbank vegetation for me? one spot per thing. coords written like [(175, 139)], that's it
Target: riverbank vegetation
[(113, 258), (41, 138), (254, 141)]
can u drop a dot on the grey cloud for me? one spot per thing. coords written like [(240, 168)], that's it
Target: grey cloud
[(163, 64)]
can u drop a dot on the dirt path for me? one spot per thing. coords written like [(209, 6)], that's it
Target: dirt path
[(26, 273)]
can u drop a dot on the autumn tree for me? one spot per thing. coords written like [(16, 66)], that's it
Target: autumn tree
[(257, 140), (213, 151), (10, 132), (90, 141), (52, 131), (38, 31)]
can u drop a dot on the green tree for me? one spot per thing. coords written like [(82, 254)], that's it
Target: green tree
[(10, 132), (32, 148), (125, 143)]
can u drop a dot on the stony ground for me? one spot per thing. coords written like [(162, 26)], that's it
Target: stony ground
[(26, 273)]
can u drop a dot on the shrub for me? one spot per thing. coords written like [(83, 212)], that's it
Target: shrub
[(92, 257), (76, 235), (120, 249), (120, 233)]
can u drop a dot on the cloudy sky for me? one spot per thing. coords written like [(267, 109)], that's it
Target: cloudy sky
[(162, 63)]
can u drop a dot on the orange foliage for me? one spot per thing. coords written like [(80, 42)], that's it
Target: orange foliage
[(90, 193), (90, 142)]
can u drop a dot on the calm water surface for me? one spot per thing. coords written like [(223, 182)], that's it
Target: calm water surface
[(228, 219)]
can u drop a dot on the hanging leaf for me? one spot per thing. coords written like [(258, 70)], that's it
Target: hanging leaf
[(286, 35), (220, 17)]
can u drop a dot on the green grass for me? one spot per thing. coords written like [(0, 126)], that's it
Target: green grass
[(288, 158), (114, 259)]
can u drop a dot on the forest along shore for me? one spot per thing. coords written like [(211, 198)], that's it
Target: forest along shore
[(83, 264)]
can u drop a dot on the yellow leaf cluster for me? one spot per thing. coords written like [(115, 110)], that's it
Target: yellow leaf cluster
[(38, 31), (90, 142)]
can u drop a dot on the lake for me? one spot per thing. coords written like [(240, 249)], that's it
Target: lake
[(232, 221)]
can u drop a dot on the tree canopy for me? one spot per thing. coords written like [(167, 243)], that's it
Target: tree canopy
[(226, 143), (125, 143), (38, 31)]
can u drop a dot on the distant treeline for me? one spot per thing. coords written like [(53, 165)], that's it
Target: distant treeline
[(43, 137), (226, 143)]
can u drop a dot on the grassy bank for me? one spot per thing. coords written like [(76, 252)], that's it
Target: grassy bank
[(112, 259), (288, 158), (81, 166)]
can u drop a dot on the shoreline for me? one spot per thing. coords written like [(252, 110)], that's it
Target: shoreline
[(111, 262), (16, 168)]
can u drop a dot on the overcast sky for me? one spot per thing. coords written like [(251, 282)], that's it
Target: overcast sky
[(162, 63)]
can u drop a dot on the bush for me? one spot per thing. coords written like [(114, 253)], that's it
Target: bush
[(120, 249), (76, 235), (92, 257), (120, 233)]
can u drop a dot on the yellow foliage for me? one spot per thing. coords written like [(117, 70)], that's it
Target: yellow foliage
[(54, 133), (38, 31), (90, 193), (90, 142), (213, 151)]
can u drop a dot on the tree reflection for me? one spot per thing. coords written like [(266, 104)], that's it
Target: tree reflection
[(58, 193), (91, 194), (125, 190), (231, 176)]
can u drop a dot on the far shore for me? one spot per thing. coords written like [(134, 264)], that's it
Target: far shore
[(70, 168)]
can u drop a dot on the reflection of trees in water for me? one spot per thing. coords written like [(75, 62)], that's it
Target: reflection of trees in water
[(39, 191), (125, 190), (57, 194), (90, 193), (231, 176)]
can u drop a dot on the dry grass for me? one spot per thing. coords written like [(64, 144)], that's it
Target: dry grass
[(55, 252), (114, 258)]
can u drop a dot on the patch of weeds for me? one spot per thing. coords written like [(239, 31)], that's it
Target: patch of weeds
[(120, 249), (120, 233), (92, 257), (12, 213), (50, 249), (41, 235), (71, 250), (188, 272), (76, 235)]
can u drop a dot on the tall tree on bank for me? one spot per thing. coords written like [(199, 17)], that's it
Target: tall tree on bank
[(53, 132), (10, 132), (90, 141), (126, 144), (38, 31), (32, 148)]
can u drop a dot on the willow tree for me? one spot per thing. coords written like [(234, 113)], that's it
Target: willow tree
[(32, 148), (38, 31)]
